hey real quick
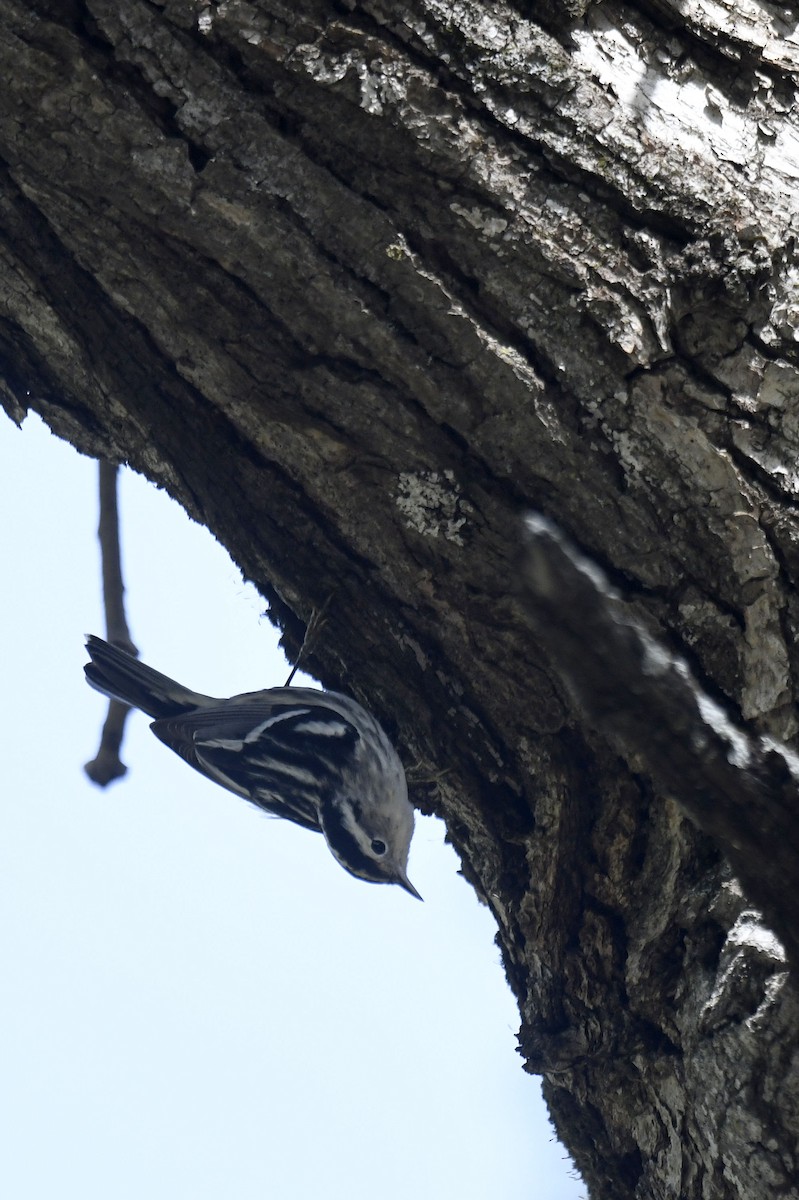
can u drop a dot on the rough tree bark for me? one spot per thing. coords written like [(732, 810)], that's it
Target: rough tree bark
[(359, 283)]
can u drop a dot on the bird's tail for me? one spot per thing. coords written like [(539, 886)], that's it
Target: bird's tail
[(118, 674)]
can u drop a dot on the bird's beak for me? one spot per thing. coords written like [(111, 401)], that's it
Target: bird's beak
[(404, 881)]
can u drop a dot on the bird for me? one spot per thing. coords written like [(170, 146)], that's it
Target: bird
[(314, 757)]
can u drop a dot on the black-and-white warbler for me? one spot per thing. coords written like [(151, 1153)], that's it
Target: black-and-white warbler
[(316, 758)]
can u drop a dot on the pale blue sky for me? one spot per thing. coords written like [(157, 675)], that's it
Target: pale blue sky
[(196, 1002)]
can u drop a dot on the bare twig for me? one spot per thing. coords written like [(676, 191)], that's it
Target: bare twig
[(116, 625), (739, 787), (108, 765), (312, 630)]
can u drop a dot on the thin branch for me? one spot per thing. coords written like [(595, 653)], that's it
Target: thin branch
[(116, 625), (312, 630), (107, 765), (739, 787)]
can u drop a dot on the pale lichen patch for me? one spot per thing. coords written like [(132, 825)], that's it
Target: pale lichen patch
[(432, 504)]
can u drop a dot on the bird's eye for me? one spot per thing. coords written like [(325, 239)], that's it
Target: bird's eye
[(378, 847)]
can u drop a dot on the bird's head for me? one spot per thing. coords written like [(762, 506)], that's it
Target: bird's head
[(370, 836)]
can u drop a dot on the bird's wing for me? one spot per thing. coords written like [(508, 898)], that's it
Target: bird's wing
[(280, 749)]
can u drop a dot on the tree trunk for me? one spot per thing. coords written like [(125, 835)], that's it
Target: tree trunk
[(360, 283)]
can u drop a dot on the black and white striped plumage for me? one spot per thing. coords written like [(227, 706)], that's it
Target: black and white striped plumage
[(316, 758)]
